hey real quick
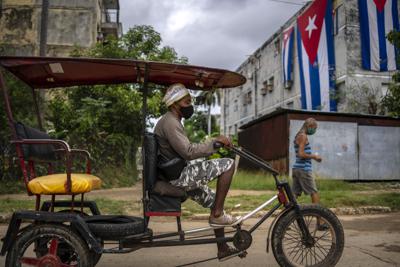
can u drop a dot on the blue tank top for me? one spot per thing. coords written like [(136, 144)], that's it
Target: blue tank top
[(304, 164)]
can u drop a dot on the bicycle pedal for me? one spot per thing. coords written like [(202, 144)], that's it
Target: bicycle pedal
[(240, 254)]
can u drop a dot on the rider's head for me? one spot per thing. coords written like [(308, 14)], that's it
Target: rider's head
[(310, 126), (178, 99)]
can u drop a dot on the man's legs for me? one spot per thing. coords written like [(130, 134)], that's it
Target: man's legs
[(223, 184), (195, 179)]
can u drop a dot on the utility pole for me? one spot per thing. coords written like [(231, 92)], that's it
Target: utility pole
[(43, 27), (42, 53)]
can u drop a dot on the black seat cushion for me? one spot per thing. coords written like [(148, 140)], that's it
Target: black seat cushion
[(45, 152), (159, 203), (150, 149)]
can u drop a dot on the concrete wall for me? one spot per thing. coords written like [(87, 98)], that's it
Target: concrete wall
[(70, 23), (352, 81)]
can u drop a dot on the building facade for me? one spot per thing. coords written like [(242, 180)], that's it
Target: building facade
[(265, 90), (70, 24)]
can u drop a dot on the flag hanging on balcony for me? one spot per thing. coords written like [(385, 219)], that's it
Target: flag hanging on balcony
[(377, 19), (287, 56), (316, 57)]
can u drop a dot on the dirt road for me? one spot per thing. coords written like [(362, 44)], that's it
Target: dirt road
[(371, 240)]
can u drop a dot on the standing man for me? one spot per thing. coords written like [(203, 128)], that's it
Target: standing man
[(303, 180), (173, 143)]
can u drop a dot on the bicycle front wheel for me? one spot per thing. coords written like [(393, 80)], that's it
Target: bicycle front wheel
[(291, 249)]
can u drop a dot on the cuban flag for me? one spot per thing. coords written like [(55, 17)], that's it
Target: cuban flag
[(377, 19), (287, 55), (316, 57)]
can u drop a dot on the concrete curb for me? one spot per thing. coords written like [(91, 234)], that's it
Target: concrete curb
[(6, 217)]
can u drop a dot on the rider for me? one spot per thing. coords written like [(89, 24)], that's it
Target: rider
[(173, 142)]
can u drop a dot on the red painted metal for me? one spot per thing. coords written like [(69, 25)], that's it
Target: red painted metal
[(51, 72), (53, 246), (161, 213), (50, 259), (282, 197)]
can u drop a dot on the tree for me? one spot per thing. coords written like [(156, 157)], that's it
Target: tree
[(363, 98), (392, 99), (196, 126), (209, 99), (22, 106)]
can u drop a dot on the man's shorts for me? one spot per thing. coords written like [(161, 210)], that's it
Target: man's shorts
[(195, 177), (303, 182)]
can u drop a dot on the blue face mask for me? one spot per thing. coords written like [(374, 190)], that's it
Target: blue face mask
[(311, 131)]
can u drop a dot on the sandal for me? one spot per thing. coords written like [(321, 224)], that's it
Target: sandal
[(223, 220)]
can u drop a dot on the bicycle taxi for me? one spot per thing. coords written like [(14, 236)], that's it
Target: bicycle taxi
[(44, 237)]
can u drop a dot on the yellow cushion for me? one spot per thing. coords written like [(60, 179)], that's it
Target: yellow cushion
[(55, 184)]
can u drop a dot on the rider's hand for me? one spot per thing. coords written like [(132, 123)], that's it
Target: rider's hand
[(224, 140), (317, 158)]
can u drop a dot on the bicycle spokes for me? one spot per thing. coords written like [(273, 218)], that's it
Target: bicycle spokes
[(299, 250)]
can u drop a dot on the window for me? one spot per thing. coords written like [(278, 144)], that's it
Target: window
[(270, 84), (264, 89), (235, 106), (339, 19), (247, 98)]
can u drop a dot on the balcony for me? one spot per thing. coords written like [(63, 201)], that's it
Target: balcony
[(110, 24)]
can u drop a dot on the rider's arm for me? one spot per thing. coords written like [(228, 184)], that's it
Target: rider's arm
[(177, 138), (301, 140)]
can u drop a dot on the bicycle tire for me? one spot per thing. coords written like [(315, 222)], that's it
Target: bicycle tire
[(61, 233), (291, 251)]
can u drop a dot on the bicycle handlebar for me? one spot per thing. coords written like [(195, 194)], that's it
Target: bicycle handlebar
[(249, 156)]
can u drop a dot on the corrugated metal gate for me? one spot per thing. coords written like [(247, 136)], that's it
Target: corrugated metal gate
[(351, 151), (379, 152)]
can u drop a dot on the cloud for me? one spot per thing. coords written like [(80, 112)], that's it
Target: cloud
[(212, 33)]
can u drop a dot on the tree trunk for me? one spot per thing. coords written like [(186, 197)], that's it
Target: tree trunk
[(209, 121)]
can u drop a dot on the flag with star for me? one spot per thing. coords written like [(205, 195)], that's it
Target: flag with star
[(287, 56), (377, 19), (316, 57)]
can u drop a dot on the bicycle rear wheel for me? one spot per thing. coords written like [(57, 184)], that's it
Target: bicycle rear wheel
[(290, 249)]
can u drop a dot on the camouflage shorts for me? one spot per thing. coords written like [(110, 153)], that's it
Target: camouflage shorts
[(195, 177)]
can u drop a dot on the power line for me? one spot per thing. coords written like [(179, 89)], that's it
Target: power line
[(287, 2)]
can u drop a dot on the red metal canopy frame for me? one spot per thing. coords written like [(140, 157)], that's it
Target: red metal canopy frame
[(51, 72), (55, 72)]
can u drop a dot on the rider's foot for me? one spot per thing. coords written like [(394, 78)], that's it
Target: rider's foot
[(229, 252), (322, 227), (222, 220)]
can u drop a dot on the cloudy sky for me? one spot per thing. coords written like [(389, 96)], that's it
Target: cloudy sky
[(214, 33)]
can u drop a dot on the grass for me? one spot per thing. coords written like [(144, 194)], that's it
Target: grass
[(334, 193), (328, 198), (264, 181)]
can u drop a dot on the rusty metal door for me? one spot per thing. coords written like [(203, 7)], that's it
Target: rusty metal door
[(336, 143), (379, 153)]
